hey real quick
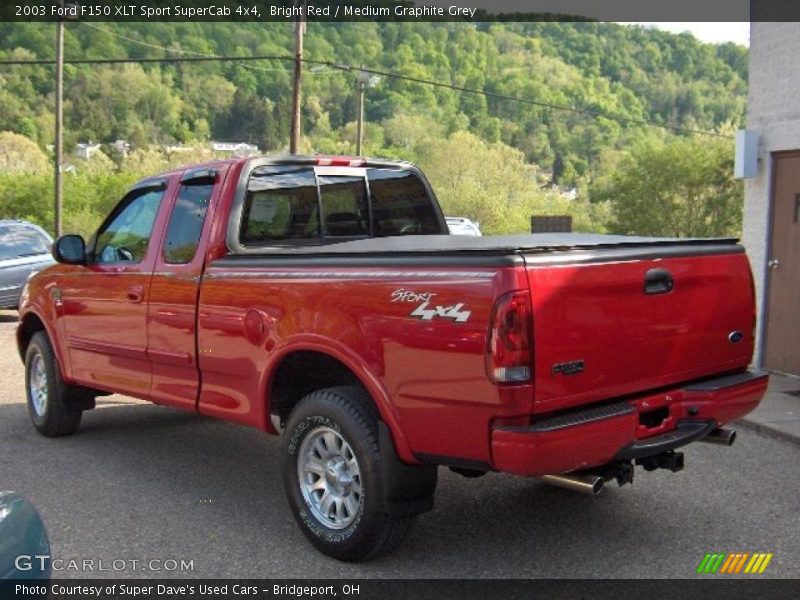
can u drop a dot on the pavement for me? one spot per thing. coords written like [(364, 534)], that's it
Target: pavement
[(778, 414), (141, 482)]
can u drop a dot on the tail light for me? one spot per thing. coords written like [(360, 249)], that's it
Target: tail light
[(509, 355)]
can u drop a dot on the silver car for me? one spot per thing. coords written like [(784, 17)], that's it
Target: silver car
[(462, 226), (24, 250)]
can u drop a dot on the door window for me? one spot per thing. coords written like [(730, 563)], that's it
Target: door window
[(124, 237)]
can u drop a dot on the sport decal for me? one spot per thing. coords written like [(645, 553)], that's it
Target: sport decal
[(426, 311)]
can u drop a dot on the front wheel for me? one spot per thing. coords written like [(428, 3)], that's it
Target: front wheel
[(51, 406), (333, 479)]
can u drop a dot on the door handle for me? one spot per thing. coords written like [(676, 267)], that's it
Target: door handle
[(774, 263), (658, 281), (135, 294)]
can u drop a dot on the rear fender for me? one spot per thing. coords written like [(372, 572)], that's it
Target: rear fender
[(340, 352)]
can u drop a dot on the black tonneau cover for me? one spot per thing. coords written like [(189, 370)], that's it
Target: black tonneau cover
[(487, 245)]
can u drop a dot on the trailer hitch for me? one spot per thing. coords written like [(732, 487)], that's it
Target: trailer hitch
[(670, 460)]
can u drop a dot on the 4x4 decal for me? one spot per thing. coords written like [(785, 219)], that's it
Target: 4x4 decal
[(427, 312)]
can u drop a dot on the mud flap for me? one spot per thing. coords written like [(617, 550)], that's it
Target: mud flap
[(407, 489)]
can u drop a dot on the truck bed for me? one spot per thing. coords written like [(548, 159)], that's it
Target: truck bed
[(493, 245)]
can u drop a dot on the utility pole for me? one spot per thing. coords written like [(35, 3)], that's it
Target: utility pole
[(59, 141), (299, 31), (364, 80), (360, 86)]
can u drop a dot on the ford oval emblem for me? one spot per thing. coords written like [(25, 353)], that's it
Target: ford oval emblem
[(734, 337)]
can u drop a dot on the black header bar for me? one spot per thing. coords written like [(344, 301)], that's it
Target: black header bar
[(729, 588), (404, 11)]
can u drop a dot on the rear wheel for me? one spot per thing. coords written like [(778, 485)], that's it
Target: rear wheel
[(53, 405), (333, 476)]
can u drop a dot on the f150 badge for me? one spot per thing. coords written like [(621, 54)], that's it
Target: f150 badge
[(426, 311)]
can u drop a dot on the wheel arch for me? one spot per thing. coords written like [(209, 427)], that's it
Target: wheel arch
[(288, 381), (29, 324)]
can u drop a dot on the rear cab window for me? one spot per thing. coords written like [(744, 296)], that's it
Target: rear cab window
[(307, 205), (401, 204)]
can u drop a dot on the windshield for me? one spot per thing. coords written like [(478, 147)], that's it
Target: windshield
[(17, 239)]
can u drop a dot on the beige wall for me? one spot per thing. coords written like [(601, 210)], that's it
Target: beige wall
[(774, 112)]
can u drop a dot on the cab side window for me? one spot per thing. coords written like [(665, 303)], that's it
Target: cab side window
[(281, 206), (124, 237), (186, 222)]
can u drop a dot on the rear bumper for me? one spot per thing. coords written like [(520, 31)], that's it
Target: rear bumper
[(633, 428)]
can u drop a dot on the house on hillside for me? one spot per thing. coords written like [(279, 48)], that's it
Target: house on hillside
[(235, 148), (772, 197), (85, 151)]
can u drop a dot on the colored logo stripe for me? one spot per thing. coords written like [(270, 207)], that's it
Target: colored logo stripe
[(758, 563), (732, 563)]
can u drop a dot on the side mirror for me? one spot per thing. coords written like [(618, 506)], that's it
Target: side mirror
[(70, 250)]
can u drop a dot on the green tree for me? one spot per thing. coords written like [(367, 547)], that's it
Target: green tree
[(19, 154), (681, 187)]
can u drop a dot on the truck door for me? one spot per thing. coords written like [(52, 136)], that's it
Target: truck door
[(104, 303), (171, 315)]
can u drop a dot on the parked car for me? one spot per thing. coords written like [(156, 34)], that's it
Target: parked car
[(323, 299), (462, 226), (24, 545), (24, 250)]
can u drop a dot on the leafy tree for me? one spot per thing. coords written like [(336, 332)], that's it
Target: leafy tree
[(681, 187), (19, 154)]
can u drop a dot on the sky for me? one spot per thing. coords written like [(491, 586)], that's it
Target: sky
[(715, 33)]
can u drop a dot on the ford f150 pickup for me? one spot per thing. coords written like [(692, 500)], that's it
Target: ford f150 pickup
[(321, 298)]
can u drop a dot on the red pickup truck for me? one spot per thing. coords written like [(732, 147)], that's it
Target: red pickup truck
[(321, 298)]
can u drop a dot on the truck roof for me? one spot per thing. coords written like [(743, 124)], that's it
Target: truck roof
[(321, 160)]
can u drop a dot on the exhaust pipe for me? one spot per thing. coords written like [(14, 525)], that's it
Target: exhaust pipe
[(588, 484), (723, 437)]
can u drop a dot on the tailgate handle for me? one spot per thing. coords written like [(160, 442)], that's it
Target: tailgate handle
[(658, 281)]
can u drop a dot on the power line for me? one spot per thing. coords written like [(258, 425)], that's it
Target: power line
[(173, 50), (575, 109), (387, 74), (114, 61)]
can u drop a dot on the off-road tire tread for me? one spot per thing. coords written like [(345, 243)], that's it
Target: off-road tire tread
[(60, 418), (354, 401)]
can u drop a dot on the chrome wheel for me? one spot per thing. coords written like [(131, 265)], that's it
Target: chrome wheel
[(330, 478), (37, 384)]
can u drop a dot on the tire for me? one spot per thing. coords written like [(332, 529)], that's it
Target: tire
[(53, 405), (336, 429)]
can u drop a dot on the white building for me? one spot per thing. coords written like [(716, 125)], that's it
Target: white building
[(122, 147), (85, 151), (772, 199), (235, 148)]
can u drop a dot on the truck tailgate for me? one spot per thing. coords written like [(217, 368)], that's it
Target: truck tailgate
[(610, 323)]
